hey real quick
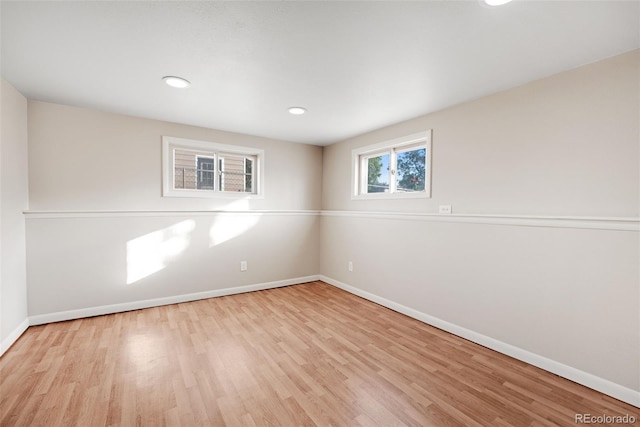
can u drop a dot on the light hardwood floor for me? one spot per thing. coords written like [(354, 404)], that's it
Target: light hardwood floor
[(308, 354)]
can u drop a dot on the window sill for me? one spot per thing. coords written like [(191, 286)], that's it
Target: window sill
[(211, 194), (391, 196)]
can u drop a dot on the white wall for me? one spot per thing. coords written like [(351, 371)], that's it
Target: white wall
[(154, 248), (563, 292), (13, 201)]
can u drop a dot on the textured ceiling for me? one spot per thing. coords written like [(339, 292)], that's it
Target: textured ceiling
[(356, 66)]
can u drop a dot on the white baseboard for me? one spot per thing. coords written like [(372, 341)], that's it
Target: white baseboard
[(136, 305), (13, 336), (602, 385)]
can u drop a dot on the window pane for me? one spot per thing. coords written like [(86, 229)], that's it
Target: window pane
[(411, 170), (206, 169), (233, 176), (205, 173), (248, 178), (378, 174), (193, 170)]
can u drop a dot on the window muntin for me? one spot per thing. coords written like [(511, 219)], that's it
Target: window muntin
[(204, 169), (393, 169)]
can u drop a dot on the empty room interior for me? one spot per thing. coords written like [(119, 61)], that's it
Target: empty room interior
[(320, 213)]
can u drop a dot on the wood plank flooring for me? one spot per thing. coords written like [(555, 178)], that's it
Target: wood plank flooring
[(303, 355)]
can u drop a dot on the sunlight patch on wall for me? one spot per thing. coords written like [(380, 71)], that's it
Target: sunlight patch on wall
[(150, 253), (229, 226)]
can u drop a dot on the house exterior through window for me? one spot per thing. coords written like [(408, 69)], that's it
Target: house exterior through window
[(205, 169)]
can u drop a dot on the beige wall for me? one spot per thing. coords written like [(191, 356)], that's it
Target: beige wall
[(95, 162), (13, 201), (566, 145), (96, 261), (81, 159)]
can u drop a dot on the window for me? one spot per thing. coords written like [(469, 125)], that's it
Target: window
[(400, 168), (206, 169)]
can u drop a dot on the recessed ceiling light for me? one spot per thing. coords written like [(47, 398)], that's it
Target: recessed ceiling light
[(297, 110), (496, 2), (178, 82)]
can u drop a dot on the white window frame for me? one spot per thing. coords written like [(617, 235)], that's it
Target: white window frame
[(220, 184), (221, 172), (359, 169), (244, 169), (170, 143)]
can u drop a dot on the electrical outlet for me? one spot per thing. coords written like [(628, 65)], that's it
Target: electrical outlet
[(243, 265), (350, 266), (444, 209)]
